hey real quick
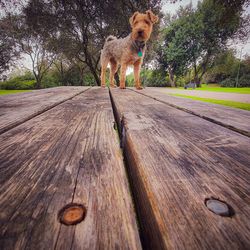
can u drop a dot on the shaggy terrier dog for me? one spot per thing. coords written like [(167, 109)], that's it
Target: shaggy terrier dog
[(129, 50)]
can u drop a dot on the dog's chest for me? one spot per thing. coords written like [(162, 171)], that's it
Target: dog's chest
[(132, 58)]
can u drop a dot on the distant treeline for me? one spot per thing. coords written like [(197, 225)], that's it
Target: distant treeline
[(63, 40)]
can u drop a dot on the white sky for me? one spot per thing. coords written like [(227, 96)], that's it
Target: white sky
[(171, 8)]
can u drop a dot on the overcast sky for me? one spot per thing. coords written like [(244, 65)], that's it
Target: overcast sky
[(172, 8)]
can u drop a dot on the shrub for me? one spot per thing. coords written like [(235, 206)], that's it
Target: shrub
[(25, 81), (244, 81), (181, 82), (229, 82), (154, 78), (88, 80), (17, 84), (50, 81)]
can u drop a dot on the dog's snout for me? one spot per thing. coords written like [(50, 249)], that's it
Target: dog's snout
[(140, 32)]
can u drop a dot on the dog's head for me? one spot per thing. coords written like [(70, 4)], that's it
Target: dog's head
[(142, 25)]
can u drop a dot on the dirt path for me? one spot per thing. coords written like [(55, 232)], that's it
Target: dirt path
[(207, 94)]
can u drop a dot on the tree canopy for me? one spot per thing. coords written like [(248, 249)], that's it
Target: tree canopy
[(78, 28), (194, 38), (65, 38)]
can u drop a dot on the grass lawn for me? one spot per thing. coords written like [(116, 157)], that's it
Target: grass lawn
[(9, 92), (217, 88), (239, 105)]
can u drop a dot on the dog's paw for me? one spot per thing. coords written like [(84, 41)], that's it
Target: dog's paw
[(122, 87), (139, 88), (103, 86)]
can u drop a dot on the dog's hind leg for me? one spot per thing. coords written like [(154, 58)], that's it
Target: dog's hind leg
[(113, 69), (103, 73)]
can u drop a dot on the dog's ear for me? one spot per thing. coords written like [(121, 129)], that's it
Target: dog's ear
[(132, 18), (153, 18)]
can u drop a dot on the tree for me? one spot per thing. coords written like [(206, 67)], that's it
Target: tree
[(180, 45), (41, 58), (78, 28), (195, 37), (224, 66), (218, 28), (8, 47), (18, 38), (32, 44)]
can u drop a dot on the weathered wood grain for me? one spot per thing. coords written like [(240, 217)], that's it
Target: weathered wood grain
[(18, 108), (234, 119), (69, 154), (175, 161)]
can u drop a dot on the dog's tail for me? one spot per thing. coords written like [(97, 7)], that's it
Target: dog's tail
[(110, 38)]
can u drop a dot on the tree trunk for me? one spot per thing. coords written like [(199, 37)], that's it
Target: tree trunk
[(62, 74), (171, 77), (196, 76), (38, 80), (204, 67), (202, 74), (96, 76), (198, 83), (38, 84), (93, 69)]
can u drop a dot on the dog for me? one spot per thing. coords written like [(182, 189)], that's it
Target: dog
[(129, 50)]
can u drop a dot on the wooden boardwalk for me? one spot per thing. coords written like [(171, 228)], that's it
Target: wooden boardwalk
[(60, 146)]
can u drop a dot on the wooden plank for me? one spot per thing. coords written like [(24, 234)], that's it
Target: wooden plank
[(18, 108), (69, 154), (235, 119), (175, 162)]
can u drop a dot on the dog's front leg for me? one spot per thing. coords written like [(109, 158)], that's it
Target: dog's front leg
[(137, 69), (103, 73), (123, 76)]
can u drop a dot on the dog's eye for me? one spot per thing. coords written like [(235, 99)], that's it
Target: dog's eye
[(147, 22)]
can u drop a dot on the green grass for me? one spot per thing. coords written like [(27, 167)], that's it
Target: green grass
[(9, 92), (217, 88), (239, 105)]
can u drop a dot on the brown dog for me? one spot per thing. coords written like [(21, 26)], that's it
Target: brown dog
[(129, 50)]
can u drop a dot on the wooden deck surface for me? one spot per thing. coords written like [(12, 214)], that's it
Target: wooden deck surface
[(235, 119), (18, 108), (59, 146), (68, 154), (176, 160)]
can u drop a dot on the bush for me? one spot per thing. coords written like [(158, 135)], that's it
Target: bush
[(26, 81), (244, 81), (17, 84), (88, 80), (154, 78), (50, 81), (149, 78), (181, 81), (229, 82)]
